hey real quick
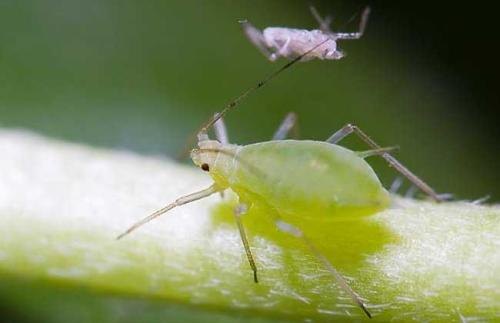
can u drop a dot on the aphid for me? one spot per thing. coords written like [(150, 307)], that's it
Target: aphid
[(292, 178), (274, 42)]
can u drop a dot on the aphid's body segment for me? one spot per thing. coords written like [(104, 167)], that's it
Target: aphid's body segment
[(290, 43), (307, 179)]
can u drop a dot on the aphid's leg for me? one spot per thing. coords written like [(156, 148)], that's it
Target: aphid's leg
[(393, 162), (221, 131), (282, 51), (180, 201), (257, 38), (481, 200), (288, 228), (376, 152), (396, 185), (361, 30), (411, 191), (324, 24), (289, 123), (238, 212)]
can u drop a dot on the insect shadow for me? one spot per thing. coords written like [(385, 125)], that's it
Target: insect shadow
[(346, 243)]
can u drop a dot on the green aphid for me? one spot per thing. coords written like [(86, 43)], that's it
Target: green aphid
[(293, 180)]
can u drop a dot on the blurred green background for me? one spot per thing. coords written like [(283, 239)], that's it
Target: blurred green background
[(143, 76)]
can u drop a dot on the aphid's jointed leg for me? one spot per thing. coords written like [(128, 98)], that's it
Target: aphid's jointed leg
[(238, 212), (282, 51), (324, 24), (396, 185), (361, 31), (289, 123), (348, 129), (288, 228), (180, 201), (221, 131), (257, 38)]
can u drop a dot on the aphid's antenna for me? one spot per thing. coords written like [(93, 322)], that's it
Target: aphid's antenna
[(180, 201), (231, 105), (193, 196), (201, 133)]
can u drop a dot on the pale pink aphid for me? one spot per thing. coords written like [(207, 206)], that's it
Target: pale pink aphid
[(290, 43)]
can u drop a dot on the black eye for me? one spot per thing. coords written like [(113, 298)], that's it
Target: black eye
[(205, 167)]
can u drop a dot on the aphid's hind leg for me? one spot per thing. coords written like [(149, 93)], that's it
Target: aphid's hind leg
[(257, 38), (238, 212), (349, 128), (361, 30), (288, 228), (289, 123), (180, 201)]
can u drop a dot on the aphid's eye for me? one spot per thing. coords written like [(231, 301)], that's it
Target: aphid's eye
[(205, 167)]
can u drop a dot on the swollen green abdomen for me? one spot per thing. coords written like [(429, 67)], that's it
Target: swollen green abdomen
[(308, 179)]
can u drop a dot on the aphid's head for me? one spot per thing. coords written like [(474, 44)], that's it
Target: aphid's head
[(333, 53), (206, 156), (216, 159)]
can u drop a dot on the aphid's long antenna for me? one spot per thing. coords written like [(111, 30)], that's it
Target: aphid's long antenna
[(231, 105), (201, 134), (194, 196), (180, 201)]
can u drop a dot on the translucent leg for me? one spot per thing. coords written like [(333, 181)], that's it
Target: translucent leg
[(221, 131), (257, 38), (180, 201), (348, 129), (324, 24), (289, 123), (361, 30), (238, 211), (288, 228)]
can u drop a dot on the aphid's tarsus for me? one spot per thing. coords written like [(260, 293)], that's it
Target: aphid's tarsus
[(238, 212), (275, 42)]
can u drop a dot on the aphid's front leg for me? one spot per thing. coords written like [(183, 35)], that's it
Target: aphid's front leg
[(238, 212), (221, 131), (180, 201), (289, 123), (349, 128), (257, 38), (288, 228)]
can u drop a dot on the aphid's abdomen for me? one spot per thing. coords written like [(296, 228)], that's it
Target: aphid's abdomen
[(308, 179), (298, 41)]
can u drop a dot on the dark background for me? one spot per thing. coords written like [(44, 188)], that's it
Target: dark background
[(143, 75)]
